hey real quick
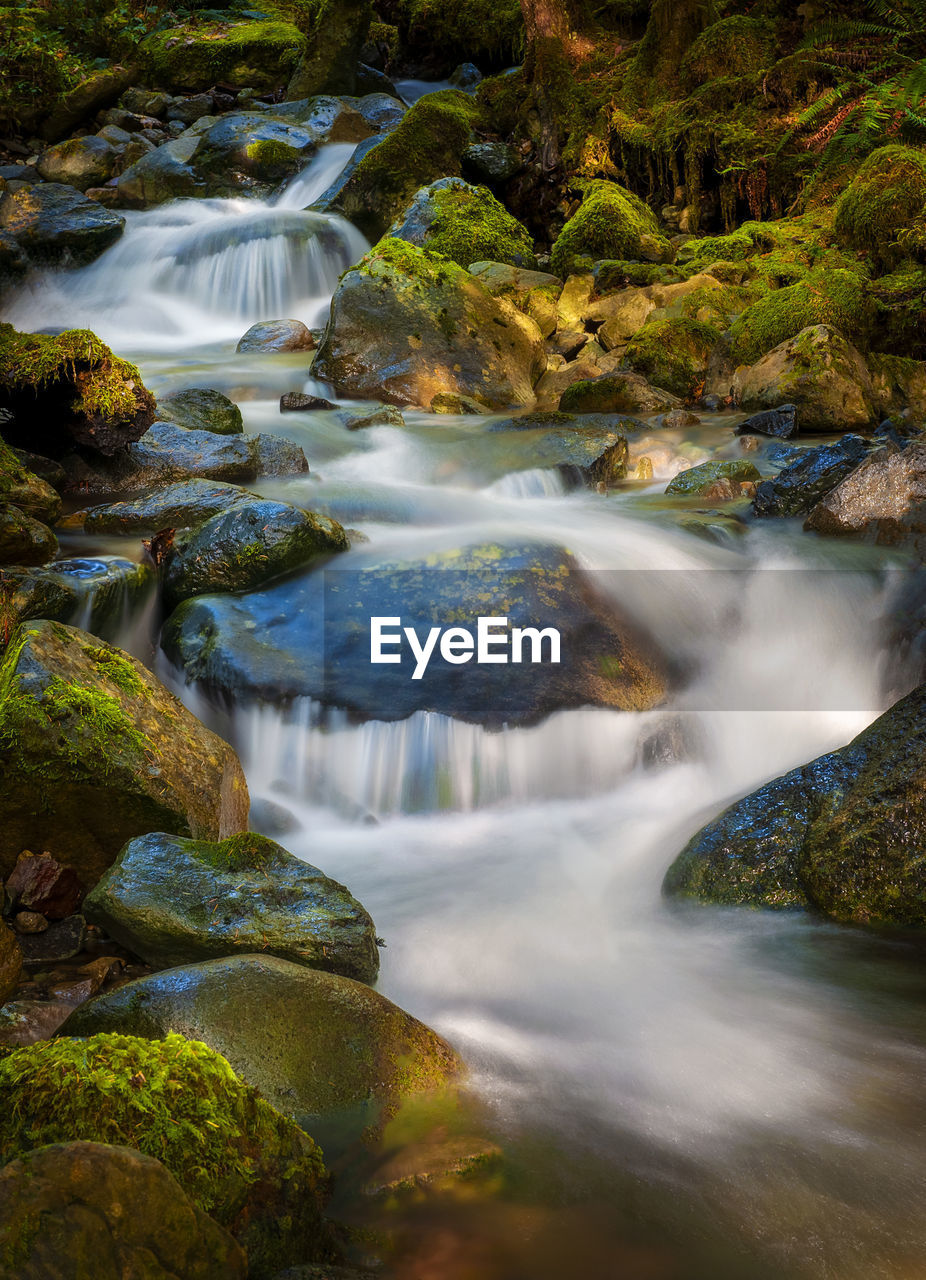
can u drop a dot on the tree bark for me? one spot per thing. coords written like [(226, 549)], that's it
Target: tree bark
[(550, 26)]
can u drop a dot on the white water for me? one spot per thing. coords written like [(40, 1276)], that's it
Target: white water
[(760, 1072)]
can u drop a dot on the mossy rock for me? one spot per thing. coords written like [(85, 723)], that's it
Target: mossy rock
[(166, 506), (883, 210), (24, 489), (611, 222), (179, 1101), (673, 354), (238, 148), (79, 162), (616, 393), (426, 145), (261, 55), (734, 46), (697, 479), (91, 1209), (328, 1051), (840, 299), (336, 31), (101, 590), (95, 751), (841, 835), (201, 409), (67, 390), (246, 546), (466, 224), (24, 540), (175, 901)]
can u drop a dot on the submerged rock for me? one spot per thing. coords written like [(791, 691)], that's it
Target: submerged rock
[(201, 409), (883, 498), (810, 477), (55, 225), (699, 479), (95, 751), (407, 324), (841, 835), (114, 1205), (175, 901), (310, 637), (328, 1051)]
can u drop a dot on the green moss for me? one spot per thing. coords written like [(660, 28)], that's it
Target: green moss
[(487, 32), (695, 480), (116, 667), (245, 852), (271, 158), (838, 298), (261, 55), (611, 222), (471, 226), (733, 46), (673, 354), (611, 275), (883, 210), (422, 266)]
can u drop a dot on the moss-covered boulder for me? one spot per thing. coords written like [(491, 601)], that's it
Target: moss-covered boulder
[(840, 299), (734, 46), (260, 55), (673, 354), (55, 225), (611, 222), (79, 162), (882, 212), (466, 224), (178, 1101), (616, 393), (85, 1208), (820, 372), (407, 324), (426, 145), (239, 549), (24, 540), (841, 835), (239, 148), (328, 1051), (698, 480), (95, 751), (182, 505), (98, 90), (883, 499), (201, 409), (335, 37), (24, 489), (69, 390), (176, 901)]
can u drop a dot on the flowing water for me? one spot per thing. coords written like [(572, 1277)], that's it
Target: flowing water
[(678, 1093)]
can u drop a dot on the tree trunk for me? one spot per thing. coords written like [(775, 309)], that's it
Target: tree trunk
[(550, 29)]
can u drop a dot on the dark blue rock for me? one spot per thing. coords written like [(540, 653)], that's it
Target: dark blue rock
[(803, 483), (780, 422)]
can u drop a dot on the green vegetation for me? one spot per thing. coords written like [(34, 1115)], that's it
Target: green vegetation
[(673, 354), (883, 210), (487, 32), (839, 298), (611, 222), (471, 226)]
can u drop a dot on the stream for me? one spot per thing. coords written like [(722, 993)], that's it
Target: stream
[(679, 1093)]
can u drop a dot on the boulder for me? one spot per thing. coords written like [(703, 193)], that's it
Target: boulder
[(24, 540), (101, 591), (277, 335), (201, 409), (299, 402), (700, 479), (187, 59), (780, 423), (56, 225), (882, 203), (882, 499), (245, 546), (168, 506), (809, 478), (188, 110), (387, 416), (616, 393), (40, 883), (11, 962), (69, 390), (841, 835), (328, 1051), (673, 354), (62, 940), (110, 1211), (83, 101), (407, 324), (161, 175), (95, 751), (311, 638), (491, 162), (251, 1169), (464, 223), (80, 162), (175, 901), (840, 299), (821, 373), (590, 450), (236, 148), (611, 222)]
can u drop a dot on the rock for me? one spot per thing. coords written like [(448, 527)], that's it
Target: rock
[(625, 312), (615, 393), (840, 299), (299, 640), (884, 199), (255, 1173), (14, 265), (257, 897), (101, 591), (821, 373), (699, 479), (883, 499), (29, 922), (188, 59), (81, 162), (24, 540), (427, 144), (161, 175), (11, 962), (69, 390), (201, 409), (277, 335), (32, 494), (95, 751), (38, 882), (674, 354), (56, 225), (611, 222), (517, 283), (297, 402), (239, 147), (464, 223), (168, 453), (46, 469), (326, 1050), (677, 419), (169, 506), (330, 60), (809, 478), (62, 940), (387, 416), (189, 110), (114, 1205), (84, 101), (840, 835), (589, 450), (245, 546), (491, 162), (780, 423), (24, 1022), (407, 324), (466, 76), (448, 402)]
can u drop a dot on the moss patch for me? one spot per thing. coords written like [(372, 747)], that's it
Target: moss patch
[(673, 354), (611, 222), (839, 298), (471, 226), (883, 210), (260, 55)]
